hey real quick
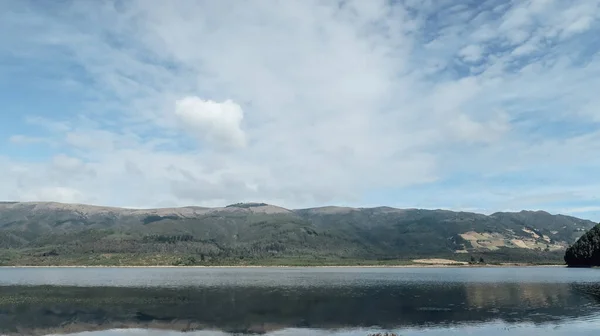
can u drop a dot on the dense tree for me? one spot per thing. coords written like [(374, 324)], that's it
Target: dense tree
[(586, 251)]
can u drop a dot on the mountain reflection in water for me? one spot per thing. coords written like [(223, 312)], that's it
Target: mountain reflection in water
[(38, 310)]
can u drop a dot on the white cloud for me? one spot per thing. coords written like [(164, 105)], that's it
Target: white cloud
[(324, 103), (579, 210), (26, 140), (581, 24), (471, 53), (87, 139), (469, 130), (216, 122), (68, 163), (579, 18), (525, 48), (54, 194)]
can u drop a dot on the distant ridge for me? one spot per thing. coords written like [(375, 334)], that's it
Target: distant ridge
[(51, 232)]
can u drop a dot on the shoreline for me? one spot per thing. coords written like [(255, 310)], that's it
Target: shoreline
[(285, 266)]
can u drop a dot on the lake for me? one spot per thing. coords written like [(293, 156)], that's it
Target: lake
[(299, 301)]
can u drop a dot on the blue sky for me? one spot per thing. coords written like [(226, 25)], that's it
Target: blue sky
[(475, 105)]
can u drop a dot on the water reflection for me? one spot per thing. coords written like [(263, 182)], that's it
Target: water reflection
[(37, 310)]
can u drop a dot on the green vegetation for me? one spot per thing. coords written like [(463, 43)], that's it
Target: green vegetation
[(586, 251), (259, 234)]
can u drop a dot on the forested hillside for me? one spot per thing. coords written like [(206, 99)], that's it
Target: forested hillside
[(257, 233), (586, 251)]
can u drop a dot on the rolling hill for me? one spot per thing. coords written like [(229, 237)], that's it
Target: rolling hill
[(46, 233)]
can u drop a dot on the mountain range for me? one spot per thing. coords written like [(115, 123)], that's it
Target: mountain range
[(48, 233)]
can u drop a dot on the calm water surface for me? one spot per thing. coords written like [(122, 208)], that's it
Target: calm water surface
[(299, 301)]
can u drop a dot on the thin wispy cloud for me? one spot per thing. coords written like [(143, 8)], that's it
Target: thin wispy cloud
[(474, 105)]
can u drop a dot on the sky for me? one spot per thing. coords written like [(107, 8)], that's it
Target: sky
[(475, 105)]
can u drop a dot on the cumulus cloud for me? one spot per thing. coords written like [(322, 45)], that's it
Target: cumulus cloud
[(219, 123)]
